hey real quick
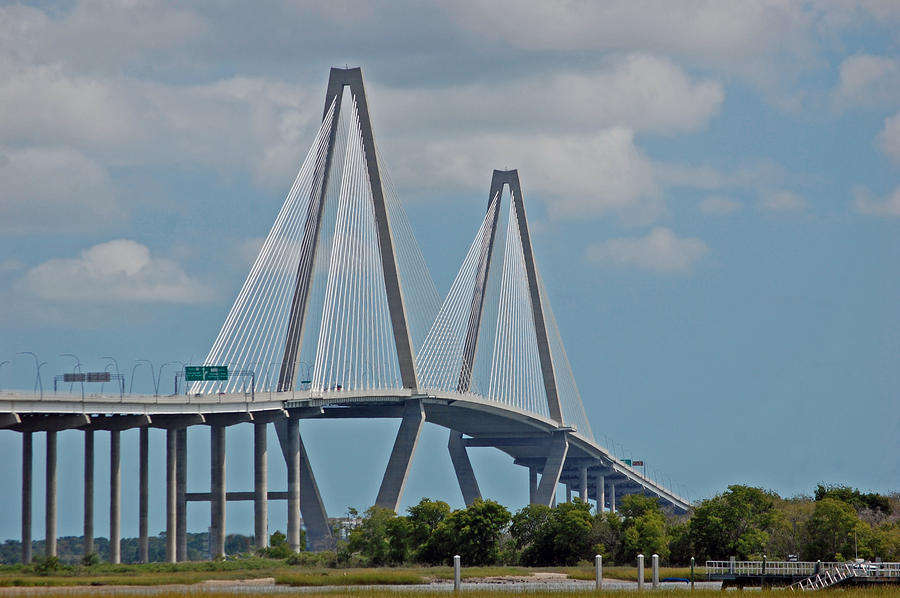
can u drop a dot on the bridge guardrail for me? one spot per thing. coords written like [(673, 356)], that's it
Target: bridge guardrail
[(799, 568)]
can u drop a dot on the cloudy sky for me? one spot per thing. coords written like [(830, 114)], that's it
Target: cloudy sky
[(714, 189)]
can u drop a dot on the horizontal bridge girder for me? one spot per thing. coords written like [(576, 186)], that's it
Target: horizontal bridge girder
[(176, 422), (232, 496), (507, 441), (119, 422), (9, 419), (51, 423)]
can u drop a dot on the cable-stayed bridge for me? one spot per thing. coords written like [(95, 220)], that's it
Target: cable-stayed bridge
[(339, 318)]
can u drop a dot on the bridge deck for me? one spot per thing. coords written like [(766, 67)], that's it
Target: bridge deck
[(523, 435)]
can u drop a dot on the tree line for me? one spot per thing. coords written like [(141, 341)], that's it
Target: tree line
[(836, 523)]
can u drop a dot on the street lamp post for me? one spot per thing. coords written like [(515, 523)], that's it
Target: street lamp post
[(159, 374), (152, 375), (77, 368), (3, 363), (38, 383)]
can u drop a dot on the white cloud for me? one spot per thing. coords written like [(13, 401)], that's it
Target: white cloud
[(867, 80), (639, 91), (660, 250), (865, 203), (781, 201), (717, 204), (54, 190), (115, 271), (579, 176), (889, 138)]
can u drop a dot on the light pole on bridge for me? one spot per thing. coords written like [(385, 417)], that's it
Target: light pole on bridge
[(38, 383), (152, 375), (3, 363), (77, 368)]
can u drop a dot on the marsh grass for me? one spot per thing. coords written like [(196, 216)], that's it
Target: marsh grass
[(401, 593), (630, 573)]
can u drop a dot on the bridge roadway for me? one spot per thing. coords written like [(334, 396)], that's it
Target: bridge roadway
[(558, 454)]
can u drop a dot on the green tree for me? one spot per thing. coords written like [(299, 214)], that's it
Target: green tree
[(473, 533), (424, 519), (371, 538), (833, 531), (559, 536), (734, 523), (644, 527)]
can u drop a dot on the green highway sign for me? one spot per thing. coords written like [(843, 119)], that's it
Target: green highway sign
[(626, 461), (198, 373)]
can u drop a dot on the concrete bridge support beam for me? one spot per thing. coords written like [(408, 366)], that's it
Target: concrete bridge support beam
[(601, 493), (303, 491), (88, 492), (463, 467), (50, 504), (318, 531), (612, 497), (180, 493), (260, 485), (27, 459), (532, 485), (217, 488), (143, 493), (556, 458), (288, 431), (115, 496), (583, 488), (397, 471), (171, 466)]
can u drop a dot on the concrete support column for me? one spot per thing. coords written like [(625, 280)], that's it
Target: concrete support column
[(612, 497), (568, 493), (293, 471), (181, 495), (143, 493), (465, 475), (171, 466), (115, 496), (50, 510), (260, 485), (88, 492), (27, 459), (217, 489), (400, 462), (601, 493), (556, 459), (532, 484), (583, 489)]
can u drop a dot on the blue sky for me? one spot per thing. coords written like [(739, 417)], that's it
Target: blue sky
[(713, 188)]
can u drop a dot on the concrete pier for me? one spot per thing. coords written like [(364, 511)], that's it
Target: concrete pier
[(400, 461), (27, 460), (50, 510), (465, 475), (293, 471), (143, 493), (532, 484), (217, 488), (180, 493), (260, 485), (115, 496), (601, 493), (583, 488), (612, 497), (171, 466), (88, 492)]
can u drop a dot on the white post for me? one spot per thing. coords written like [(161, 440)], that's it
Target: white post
[(640, 574), (456, 573), (655, 565), (598, 572)]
